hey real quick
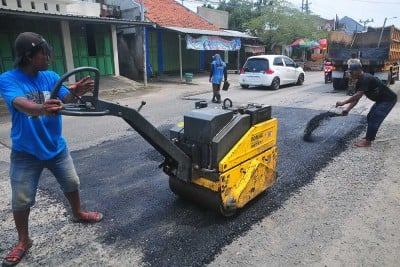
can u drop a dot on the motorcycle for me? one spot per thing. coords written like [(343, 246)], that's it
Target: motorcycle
[(328, 71)]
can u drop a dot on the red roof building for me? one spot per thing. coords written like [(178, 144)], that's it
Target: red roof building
[(168, 13), (181, 40)]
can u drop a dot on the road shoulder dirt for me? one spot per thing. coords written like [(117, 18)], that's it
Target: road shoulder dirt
[(348, 216)]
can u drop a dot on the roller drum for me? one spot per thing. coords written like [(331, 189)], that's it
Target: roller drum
[(195, 193)]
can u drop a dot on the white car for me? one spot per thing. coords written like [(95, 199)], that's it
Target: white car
[(271, 71)]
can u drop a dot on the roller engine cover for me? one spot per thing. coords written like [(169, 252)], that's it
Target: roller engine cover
[(201, 125), (207, 134)]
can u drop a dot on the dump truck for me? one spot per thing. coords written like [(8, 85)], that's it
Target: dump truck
[(378, 50)]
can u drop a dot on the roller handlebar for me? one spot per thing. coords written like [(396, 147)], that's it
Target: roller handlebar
[(79, 109), (57, 86)]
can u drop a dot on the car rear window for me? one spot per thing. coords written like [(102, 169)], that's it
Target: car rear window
[(256, 65)]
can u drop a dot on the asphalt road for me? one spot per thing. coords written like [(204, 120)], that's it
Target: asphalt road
[(145, 223)]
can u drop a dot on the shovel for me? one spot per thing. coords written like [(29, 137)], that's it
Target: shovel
[(316, 121)]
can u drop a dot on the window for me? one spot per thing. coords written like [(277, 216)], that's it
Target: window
[(278, 61), (289, 62), (256, 65), (46, 7), (4, 2), (19, 3), (58, 8), (33, 5)]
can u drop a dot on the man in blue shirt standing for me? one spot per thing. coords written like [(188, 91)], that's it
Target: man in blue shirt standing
[(36, 135), (217, 73)]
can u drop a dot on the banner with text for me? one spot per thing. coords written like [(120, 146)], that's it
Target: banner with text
[(212, 43)]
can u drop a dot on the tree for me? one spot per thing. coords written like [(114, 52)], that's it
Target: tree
[(276, 22), (281, 24), (240, 11)]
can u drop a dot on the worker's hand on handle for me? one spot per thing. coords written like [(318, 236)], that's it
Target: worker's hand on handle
[(345, 112), (83, 86), (340, 103), (51, 107)]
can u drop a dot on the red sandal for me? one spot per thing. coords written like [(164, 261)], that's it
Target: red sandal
[(16, 255), (89, 217)]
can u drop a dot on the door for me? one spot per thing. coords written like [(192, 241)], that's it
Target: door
[(10, 27), (92, 46), (281, 72), (290, 70)]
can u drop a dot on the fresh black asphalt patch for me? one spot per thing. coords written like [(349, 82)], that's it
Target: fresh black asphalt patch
[(121, 178), (315, 122)]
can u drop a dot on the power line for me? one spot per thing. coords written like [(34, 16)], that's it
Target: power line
[(377, 2)]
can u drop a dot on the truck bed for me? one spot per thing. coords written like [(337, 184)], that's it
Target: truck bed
[(341, 45), (367, 55)]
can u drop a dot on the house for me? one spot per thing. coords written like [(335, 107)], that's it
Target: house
[(349, 25), (120, 37), (181, 40), (81, 33)]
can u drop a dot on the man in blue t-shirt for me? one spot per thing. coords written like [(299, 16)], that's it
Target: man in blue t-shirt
[(375, 90), (217, 73), (36, 135)]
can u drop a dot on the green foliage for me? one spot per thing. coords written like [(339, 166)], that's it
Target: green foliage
[(208, 6), (240, 11), (276, 22)]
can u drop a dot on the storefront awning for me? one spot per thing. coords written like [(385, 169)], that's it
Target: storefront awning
[(222, 33), (255, 49)]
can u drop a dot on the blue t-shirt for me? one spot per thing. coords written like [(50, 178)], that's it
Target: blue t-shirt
[(218, 72), (39, 136)]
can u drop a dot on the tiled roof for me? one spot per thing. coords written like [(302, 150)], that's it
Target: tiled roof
[(168, 13)]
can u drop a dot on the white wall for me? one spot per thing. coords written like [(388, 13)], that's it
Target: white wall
[(84, 9), (217, 17), (61, 7), (38, 6)]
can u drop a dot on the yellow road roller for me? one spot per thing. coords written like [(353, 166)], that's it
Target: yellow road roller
[(218, 157), (233, 155)]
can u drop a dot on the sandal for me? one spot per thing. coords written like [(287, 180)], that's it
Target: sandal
[(363, 143), (16, 255), (89, 217)]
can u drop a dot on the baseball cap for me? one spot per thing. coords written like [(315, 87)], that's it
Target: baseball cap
[(355, 66), (27, 42)]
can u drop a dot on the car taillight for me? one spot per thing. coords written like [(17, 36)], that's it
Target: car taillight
[(242, 71), (269, 71)]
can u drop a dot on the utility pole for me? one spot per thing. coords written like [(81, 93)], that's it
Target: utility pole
[(144, 44), (307, 8), (383, 28), (365, 22)]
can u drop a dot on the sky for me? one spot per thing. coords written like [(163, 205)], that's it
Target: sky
[(358, 10)]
